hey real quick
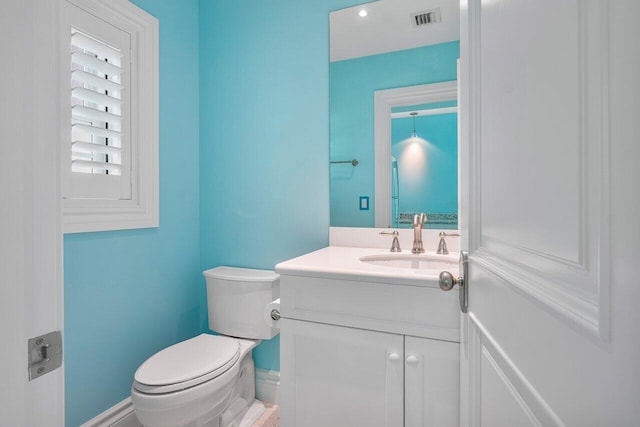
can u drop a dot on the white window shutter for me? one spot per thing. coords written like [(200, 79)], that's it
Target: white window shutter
[(99, 143), (109, 62)]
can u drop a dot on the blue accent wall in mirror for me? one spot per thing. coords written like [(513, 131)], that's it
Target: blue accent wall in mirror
[(425, 177)]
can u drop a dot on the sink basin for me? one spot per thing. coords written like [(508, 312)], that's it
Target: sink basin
[(436, 263)]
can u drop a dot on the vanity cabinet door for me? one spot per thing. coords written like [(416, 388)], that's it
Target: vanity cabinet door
[(340, 377), (431, 382)]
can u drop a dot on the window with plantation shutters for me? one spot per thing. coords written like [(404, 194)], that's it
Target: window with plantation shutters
[(100, 140), (109, 115)]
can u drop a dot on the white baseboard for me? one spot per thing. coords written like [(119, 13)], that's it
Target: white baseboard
[(122, 414), (268, 386)]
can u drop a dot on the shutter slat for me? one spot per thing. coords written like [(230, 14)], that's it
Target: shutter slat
[(97, 81), (87, 147), (92, 130), (91, 114), (96, 165), (99, 65), (99, 48), (95, 97)]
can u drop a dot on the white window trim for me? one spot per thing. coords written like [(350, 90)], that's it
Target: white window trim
[(142, 210)]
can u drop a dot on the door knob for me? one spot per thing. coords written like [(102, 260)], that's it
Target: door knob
[(448, 281)]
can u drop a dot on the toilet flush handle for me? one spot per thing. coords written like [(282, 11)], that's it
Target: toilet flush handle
[(275, 314)]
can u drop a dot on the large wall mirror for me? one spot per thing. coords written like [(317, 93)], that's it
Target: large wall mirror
[(393, 113)]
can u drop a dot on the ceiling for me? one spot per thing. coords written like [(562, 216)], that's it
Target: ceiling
[(388, 27)]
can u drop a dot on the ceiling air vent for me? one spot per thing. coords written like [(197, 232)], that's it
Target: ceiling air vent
[(427, 17)]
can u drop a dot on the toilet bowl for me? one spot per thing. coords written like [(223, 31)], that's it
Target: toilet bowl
[(209, 380)]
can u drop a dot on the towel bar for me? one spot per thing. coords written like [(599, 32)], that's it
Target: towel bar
[(354, 162)]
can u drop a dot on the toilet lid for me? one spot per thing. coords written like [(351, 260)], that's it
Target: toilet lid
[(187, 363)]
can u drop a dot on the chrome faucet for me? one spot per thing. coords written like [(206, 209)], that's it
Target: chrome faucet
[(418, 220)]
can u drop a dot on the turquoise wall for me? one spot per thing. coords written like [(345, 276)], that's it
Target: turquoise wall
[(264, 152), (130, 293), (353, 83)]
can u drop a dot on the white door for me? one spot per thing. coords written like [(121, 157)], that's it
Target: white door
[(340, 377), (30, 231), (550, 130)]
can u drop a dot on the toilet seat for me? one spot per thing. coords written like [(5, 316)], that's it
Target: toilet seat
[(187, 364)]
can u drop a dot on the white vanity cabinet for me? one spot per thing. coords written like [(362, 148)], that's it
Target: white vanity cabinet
[(366, 352), (340, 377), (347, 377)]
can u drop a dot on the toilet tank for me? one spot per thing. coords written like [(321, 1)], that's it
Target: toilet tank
[(236, 299)]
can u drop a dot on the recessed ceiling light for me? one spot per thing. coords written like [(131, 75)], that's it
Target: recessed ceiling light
[(362, 13)]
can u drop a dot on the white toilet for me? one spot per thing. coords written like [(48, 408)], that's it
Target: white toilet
[(209, 380)]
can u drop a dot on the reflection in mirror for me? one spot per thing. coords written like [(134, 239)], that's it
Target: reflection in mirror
[(416, 145), (424, 159), (382, 51)]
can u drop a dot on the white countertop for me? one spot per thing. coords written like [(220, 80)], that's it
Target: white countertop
[(339, 262)]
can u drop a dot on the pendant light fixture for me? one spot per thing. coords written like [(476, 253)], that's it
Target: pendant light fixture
[(414, 114)]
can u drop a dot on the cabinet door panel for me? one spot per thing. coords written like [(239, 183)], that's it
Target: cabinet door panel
[(431, 382), (336, 376)]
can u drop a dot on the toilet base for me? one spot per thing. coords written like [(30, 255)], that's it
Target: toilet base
[(246, 418), (250, 416), (243, 409)]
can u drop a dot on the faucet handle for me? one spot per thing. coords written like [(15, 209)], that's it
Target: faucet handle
[(443, 234), (395, 245), (442, 246)]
